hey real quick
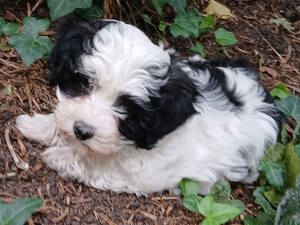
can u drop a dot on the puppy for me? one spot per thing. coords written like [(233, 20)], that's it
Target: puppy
[(133, 118)]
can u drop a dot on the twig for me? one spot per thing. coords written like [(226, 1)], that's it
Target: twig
[(28, 9), (36, 5), (274, 50), (19, 162)]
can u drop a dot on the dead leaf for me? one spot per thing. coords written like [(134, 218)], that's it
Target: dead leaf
[(9, 16), (269, 70), (4, 47), (284, 23), (219, 10)]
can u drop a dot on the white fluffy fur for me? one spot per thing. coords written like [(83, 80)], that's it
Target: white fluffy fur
[(205, 148)]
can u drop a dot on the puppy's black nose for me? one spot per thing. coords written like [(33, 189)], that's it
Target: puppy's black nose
[(83, 131)]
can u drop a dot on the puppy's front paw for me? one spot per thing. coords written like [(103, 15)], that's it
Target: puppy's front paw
[(38, 127)]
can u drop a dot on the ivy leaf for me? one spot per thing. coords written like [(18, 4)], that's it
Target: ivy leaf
[(224, 37), (248, 220), (59, 8), (199, 49), (216, 213), (30, 48), (189, 187), (284, 23), (18, 212), (220, 191), (273, 196), (158, 4), (186, 25), (273, 172), (280, 91), (292, 165), (178, 5), (288, 209), (2, 23), (28, 44), (290, 106), (274, 153), (237, 203), (10, 29), (260, 200), (91, 13), (33, 26), (207, 23), (218, 9), (191, 202)]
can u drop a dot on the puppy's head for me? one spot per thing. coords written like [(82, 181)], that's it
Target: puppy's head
[(103, 69)]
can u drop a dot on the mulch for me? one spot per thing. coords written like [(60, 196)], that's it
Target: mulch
[(274, 51)]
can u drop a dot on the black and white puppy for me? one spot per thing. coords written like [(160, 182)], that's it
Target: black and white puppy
[(133, 118)]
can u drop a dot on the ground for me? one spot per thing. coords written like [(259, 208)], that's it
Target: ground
[(274, 51)]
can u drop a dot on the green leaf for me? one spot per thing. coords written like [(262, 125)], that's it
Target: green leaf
[(33, 26), (297, 150), (292, 165), (8, 91), (288, 210), (30, 48), (162, 26), (207, 23), (91, 13), (237, 203), (199, 49), (217, 213), (248, 220), (290, 106), (158, 4), (2, 23), (19, 211), (284, 23), (189, 187), (280, 91), (59, 8), (10, 29), (220, 191), (224, 37), (191, 202), (273, 172), (186, 25), (178, 5), (266, 218), (273, 196), (205, 205), (260, 200), (274, 153)]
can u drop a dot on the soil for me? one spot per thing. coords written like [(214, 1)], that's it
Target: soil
[(274, 51)]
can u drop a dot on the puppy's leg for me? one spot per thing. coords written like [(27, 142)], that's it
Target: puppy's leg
[(41, 128), (65, 160)]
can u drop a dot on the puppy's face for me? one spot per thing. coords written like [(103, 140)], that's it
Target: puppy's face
[(108, 74)]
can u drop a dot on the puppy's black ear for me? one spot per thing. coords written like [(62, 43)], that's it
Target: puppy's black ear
[(74, 38), (148, 122)]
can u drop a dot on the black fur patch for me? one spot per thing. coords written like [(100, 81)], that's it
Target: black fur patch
[(276, 114), (74, 38), (218, 78), (147, 122)]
